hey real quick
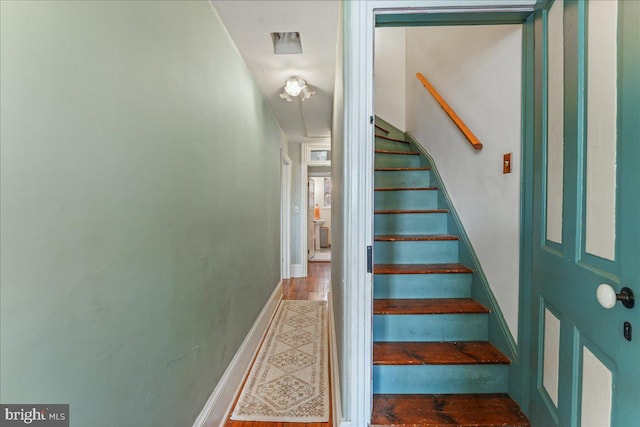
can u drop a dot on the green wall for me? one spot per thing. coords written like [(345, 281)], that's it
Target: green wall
[(140, 207)]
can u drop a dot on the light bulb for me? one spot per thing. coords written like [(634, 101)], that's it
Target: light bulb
[(294, 86)]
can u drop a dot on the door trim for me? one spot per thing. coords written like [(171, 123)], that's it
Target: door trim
[(304, 195), (305, 148), (285, 215), (358, 28), (522, 383)]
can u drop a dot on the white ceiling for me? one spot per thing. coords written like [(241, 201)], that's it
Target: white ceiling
[(250, 24)]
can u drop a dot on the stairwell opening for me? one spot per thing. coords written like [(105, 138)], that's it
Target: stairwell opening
[(447, 227)]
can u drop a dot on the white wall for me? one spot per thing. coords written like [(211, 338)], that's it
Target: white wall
[(477, 69), (389, 75)]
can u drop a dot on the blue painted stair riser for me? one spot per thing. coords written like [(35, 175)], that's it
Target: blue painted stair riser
[(402, 179), (430, 327), (385, 144), (406, 199), (383, 160), (440, 379), (416, 252), (411, 223), (416, 286)]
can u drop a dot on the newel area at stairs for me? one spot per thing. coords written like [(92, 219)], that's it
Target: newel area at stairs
[(433, 362)]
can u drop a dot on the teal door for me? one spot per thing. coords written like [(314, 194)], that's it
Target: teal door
[(586, 200)]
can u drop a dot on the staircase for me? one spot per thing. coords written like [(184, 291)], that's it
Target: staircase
[(432, 363)]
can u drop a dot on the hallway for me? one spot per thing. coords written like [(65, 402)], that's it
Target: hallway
[(314, 287)]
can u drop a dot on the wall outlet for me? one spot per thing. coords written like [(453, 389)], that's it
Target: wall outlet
[(506, 163)]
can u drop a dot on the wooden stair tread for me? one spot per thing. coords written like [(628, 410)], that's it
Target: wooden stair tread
[(406, 188), (414, 237), (408, 153), (442, 410), (428, 306), (381, 128), (437, 353), (410, 211), (420, 269), (401, 169), (392, 139)]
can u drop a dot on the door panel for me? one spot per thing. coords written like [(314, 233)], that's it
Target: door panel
[(555, 122), (596, 391), (602, 113), (591, 375), (551, 355)]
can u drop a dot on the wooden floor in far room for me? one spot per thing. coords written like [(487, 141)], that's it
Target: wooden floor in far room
[(314, 287)]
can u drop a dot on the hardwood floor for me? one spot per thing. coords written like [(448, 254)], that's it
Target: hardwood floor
[(313, 287)]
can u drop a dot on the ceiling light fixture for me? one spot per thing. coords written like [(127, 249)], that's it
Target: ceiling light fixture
[(295, 86)]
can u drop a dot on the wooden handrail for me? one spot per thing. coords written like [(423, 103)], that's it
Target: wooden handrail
[(473, 140)]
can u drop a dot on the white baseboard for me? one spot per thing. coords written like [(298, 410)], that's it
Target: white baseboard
[(336, 402), (297, 270), (218, 406)]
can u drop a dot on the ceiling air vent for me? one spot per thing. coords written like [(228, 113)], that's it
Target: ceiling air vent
[(286, 43)]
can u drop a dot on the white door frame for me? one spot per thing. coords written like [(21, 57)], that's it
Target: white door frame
[(304, 209), (285, 215), (359, 31), (305, 151), (357, 190)]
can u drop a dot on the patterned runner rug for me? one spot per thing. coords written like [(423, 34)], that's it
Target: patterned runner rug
[(289, 379)]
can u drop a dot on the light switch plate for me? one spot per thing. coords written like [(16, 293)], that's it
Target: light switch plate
[(506, 163)]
